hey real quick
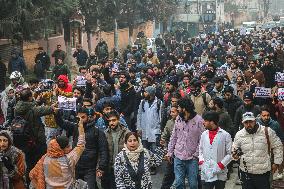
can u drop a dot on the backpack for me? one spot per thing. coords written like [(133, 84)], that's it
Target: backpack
[(22, 133), (158, 105)]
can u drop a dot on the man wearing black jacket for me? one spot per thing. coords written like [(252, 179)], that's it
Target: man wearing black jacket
[(96, 148), (128, 99)]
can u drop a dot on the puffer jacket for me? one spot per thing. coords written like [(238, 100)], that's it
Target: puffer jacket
[(255, 149)]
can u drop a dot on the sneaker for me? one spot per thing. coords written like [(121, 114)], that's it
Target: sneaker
[(278, 176), (238, 182)]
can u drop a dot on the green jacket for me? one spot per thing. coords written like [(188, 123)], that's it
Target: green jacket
[(166, 135), (122, 131), (32, 114), (60, 69)]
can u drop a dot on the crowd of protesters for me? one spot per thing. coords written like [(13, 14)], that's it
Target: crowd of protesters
[(194, 104)]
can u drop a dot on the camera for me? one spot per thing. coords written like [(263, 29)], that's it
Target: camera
[(77, 120), (239, 152)]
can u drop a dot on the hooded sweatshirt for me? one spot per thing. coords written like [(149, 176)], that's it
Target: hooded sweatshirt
[(68, 86)]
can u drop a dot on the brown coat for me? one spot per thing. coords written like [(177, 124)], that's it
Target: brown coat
[(249, 76), (18, 180)]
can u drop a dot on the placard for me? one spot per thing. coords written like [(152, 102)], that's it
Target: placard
[(279, 77), (80, 81), (280, 94), (67, 103), (262, 92), (221, 71)]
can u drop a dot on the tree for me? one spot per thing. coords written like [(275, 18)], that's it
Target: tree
[(266, 5)]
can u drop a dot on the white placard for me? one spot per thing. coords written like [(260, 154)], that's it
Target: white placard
[(279, 77), (221, 71), (280, 93), (81, 81), (67, 103), (262, 92)]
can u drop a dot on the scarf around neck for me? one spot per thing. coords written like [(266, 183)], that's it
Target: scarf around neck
[(37, 173), (133, 156)]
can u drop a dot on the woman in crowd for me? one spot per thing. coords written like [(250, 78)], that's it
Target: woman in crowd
[(56, 169), (132, 164), (12, 163)]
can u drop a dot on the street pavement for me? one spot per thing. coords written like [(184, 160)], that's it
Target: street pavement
[(158, 178)]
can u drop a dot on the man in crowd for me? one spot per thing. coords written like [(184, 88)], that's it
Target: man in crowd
[(184, 144), (214, 148), (115, 134), (81, 55), (58, 54), (252, 146)]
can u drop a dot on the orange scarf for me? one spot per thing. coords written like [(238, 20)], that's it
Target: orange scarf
[(37, 173)]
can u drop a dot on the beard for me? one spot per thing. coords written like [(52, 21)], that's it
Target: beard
[(147, 98), (248, 106), (252, 130), (61, 85), (182, 115)]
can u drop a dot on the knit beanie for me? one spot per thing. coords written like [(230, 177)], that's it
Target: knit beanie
[(151, 90)]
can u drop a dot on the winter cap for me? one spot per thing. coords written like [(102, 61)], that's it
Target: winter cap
[(173, 81), (151, 90), (248, 116), (15, 75), (228, 89), (248, 95)]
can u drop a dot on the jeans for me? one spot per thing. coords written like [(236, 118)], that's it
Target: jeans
[(183, 168), (255, 181), (89, 176), (218, 184)]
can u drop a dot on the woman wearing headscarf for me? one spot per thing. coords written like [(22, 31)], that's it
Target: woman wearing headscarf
[(132, 164), (12, 163), (56, 169)]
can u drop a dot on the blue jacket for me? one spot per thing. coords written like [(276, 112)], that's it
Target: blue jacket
[(274, 125)]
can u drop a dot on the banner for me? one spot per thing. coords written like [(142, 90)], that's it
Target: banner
[(81, 81), (67, 103), (280, 93), (262, 92)]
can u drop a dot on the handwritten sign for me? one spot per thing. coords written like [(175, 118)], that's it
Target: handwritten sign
[(280, 93), (221, 71), (279, 77), (81, 81), (262, 92), (67, 103)]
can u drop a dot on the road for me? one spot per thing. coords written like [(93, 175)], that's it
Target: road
[(157, 179)]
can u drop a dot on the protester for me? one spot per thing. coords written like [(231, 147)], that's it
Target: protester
[(115, 134), (96, 146), (255, 163), (132, 164), (214, 153), (57, 167), (16, 63), (183, 145), (13, 164)]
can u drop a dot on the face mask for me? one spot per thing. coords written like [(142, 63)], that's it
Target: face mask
[(252, 130), (204, 81)]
